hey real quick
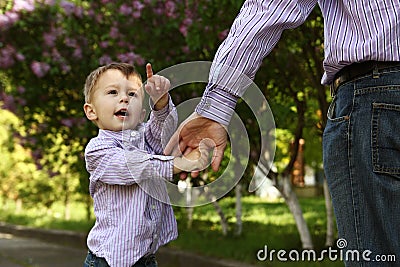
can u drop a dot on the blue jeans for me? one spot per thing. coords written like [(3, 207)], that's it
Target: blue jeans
[(361, 146), (94, 261)]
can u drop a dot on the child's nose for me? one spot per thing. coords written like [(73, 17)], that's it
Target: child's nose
[(124, 98)]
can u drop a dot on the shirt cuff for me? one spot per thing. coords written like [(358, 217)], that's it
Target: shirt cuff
[(165, 111), (165, 166), (218, 105)]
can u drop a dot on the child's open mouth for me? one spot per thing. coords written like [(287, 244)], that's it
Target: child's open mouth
[(122, 113)]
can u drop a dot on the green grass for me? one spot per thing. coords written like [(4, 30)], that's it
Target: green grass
[(47, 219), (264, 224)]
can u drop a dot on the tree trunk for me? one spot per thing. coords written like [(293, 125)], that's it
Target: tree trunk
[(294, 206), (330, 227), (189, 211), (67, 207), (18, 205), (66, 200), (238, 193), (224, 223), (4, 201), (88, 207), (220, 212), (292, 202), (189, 202)]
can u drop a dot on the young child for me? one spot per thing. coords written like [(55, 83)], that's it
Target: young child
[(125, 161)]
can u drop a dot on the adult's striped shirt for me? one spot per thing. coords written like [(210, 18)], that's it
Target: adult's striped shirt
[(354, 31)]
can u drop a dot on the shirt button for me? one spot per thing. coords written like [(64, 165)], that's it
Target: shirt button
[(133, 133)]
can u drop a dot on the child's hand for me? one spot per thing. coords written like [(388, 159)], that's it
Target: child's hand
[(157, 87), (195, 160)]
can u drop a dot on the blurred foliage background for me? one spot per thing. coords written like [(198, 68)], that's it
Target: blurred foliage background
[(48, 47)]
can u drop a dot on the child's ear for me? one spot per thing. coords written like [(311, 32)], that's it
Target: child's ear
[(90, 111), (142, 115)]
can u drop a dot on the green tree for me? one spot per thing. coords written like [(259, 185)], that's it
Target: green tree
[(20, 180), (47, 48)]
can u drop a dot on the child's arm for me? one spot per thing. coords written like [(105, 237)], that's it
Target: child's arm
[(108, 162), (196, 160), (164, 117), (111, 164)]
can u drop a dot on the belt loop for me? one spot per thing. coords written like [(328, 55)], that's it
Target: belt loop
[(334, 86), (375, 71)]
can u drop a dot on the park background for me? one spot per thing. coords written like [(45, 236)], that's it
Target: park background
[(48, 47)]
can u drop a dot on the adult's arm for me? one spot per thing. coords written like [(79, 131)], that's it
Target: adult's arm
[(254, 33)]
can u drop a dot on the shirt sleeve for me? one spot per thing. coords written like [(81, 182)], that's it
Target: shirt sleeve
[(254, 33), (161, 126), (111, 164)]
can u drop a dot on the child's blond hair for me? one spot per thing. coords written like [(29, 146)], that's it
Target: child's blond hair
[(94, 76)]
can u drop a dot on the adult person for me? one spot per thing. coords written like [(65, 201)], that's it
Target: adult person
[(361, 144)]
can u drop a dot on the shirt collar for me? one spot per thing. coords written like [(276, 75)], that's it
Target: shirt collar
[(127, 137)]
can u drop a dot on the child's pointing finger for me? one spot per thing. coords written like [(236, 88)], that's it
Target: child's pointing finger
[(149, 70)]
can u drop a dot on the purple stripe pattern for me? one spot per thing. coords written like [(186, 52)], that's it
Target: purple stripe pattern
[(355, 31), (131, 222)]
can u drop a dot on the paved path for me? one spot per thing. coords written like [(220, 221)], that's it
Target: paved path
[(24, 252), (28, 247)]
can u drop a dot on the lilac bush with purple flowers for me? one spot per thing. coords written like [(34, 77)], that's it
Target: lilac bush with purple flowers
[(48, 47)]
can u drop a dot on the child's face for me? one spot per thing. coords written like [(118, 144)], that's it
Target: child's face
[(117, 102)]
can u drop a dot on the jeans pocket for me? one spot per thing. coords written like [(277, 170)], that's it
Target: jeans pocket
[(337, 112), (386, 138)]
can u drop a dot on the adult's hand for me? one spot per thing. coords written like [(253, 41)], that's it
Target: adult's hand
[(196, 129)]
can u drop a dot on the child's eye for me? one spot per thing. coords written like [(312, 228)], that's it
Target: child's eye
[(132, 94), (112, 92)]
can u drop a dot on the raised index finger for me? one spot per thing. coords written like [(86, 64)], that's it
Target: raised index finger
[(149, 70)]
